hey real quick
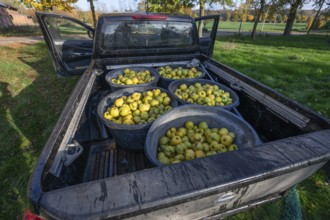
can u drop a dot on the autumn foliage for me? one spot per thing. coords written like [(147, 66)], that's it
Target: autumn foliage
[(46, 5)]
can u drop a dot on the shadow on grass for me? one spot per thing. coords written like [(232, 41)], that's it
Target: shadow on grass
[(27, 117), (11, 157), (317, 42), (46, 97)]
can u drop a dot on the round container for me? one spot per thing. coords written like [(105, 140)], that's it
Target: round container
[(115, 73), (246, 137), (130, 137), (164, 82), (174, 85)]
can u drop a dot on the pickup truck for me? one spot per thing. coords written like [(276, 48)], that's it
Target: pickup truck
[(81, 172)]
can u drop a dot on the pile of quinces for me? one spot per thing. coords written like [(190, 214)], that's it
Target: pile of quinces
[(209, 95), (194, 141), (179, 73), (130, 77), (139, 107)]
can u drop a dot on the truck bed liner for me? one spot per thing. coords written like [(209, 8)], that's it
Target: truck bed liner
[(106, 160)]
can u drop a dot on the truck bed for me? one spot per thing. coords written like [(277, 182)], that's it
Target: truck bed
[(106, 160), (82, 174), (107, 182)]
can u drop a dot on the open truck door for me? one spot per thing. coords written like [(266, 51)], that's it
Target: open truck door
[(207, 27), (70, 42)]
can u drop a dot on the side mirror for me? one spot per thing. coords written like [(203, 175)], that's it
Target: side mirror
[(90, 34)]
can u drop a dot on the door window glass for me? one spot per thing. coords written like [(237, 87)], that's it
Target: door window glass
[(205, 27), (64, 29)]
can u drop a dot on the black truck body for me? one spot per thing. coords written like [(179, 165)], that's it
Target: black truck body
[(82, 174)]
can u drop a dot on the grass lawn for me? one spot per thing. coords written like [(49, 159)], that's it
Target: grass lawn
[(268, 27), (299, 67), (31, 99), (233, 26)]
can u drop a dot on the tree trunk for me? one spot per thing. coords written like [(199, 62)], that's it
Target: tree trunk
[(259, 13), (263, 22), (147, 6), (240, 27), (315, 18), (291, 17), (93, 11), (201, 14), (274, 21)]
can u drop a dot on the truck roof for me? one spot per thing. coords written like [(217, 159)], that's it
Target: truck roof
[(146, 16)]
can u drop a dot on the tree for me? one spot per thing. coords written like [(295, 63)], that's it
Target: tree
[(304, 18), (298, 18), (228, 15), (49, 5), (91, 3), (319, 4), (294, 5), (273, 10), (202, 3), (236, 15), (142, 6), (260, 12), (180, 6), (243, 12), (21, 8), (285, 18), (202, 9), (13, 3), (170, 6)]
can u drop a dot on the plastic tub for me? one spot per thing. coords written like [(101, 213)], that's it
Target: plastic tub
[(130, 137), (246, 136), (164, 82), (115, 73), (174, 85)]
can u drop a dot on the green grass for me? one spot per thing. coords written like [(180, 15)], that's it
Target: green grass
[(17, 31), (248, 26), (299, 67), (31, 99), (72, 30), (268, 27)]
